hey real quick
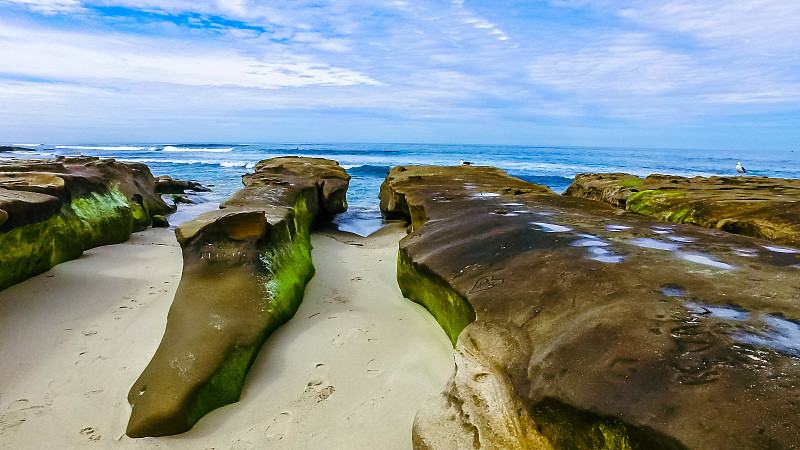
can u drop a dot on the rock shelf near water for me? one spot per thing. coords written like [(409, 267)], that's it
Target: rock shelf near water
[(245, 269), (52, 211), (579, 327), (767, 208)]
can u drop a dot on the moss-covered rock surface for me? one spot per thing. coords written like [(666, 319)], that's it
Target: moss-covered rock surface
[(767, 208), (53, 210), (245, 270), (586, 328)]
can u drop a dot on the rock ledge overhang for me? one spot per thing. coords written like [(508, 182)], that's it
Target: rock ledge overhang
[(51, 211)]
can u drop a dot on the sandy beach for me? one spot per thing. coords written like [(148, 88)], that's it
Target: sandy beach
[(349, 370)]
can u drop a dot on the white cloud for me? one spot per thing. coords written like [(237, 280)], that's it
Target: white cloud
[(52, 54), (48, 6)]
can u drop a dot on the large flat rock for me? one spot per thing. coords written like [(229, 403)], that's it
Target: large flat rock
[(767, 208), (579, 326), (53, 210), (245, 267)]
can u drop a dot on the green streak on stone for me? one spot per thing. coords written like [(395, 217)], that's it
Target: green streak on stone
[(567, 427), (421, 285), (630, 183), (286, 269), (225, 386), (651, 202), (26, 251)]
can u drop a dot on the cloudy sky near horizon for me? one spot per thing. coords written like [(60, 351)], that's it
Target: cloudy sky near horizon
[(673, 73)]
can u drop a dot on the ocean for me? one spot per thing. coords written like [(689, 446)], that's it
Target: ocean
[(221, 165)]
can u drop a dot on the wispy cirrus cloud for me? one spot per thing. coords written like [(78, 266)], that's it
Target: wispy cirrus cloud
[(48, 6)]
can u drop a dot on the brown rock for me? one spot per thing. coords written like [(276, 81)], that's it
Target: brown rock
[(767, 208), (165, 184), (56, 209), (23, 208), (245, 269), (578, 327)]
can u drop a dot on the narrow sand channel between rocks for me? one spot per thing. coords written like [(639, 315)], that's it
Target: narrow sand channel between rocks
[(349, 370)]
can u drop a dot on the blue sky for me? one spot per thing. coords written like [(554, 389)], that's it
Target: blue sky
[(671, 73)]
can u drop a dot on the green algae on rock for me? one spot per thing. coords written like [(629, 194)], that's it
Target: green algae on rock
[(56, 209), (767, 208), (245, 269), (594, 329)]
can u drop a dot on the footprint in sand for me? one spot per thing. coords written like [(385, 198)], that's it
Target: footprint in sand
[(345, 336), (120, 311), (86, 359), (91, 434), (20, 412), (373, 369), (89, 332), (243, 445), (281, 424), (93, 393), (318, 375), (319, 387)]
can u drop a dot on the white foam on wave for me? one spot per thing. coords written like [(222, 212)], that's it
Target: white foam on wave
[(170, 148), (98, 147)]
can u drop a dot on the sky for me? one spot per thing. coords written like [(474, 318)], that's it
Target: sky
[(629, 73)]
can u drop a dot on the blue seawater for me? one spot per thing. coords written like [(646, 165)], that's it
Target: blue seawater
[(221, 165)]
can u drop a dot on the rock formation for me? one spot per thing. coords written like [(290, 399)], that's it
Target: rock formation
[(576, 326), (165, 184), (53, 210), (14, 148), (767, 208), (245, 269)]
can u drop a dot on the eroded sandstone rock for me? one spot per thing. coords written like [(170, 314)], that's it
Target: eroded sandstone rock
[(53, 210), (587, 328), (767, 208), (165, 184), (245, 269)]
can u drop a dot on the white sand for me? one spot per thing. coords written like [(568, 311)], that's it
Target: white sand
[(348, 371)]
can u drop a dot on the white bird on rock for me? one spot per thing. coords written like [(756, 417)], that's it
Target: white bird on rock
[(739, 169), (465, 163)]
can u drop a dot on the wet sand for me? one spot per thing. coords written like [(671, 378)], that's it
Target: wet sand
[(349, 370)]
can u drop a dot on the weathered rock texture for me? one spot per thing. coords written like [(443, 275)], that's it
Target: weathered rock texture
[(53, 210), (767, 208), (165, 184), (581, 327), (245, 269)]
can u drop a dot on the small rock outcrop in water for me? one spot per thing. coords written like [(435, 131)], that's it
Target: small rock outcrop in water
[(165, 184), (53, 210), (767, 208), (577, 327), (13, 148), (245, 267)]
